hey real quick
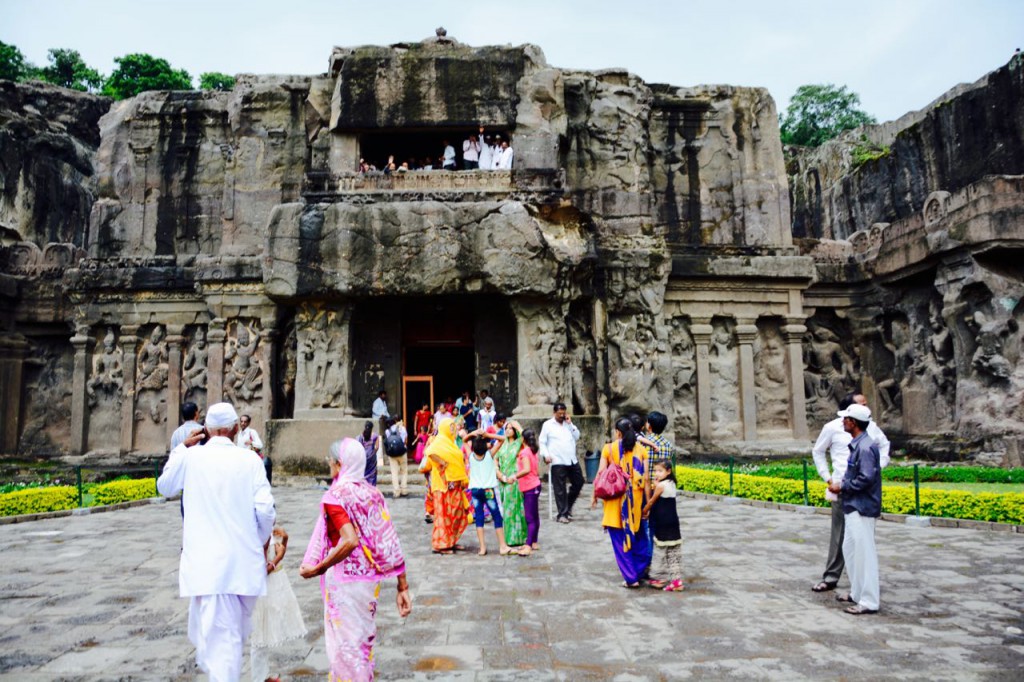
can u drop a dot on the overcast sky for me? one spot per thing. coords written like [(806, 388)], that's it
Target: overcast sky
[(899, 55)]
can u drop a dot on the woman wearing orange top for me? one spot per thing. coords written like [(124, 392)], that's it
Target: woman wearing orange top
[(623, 516), (448, 481)]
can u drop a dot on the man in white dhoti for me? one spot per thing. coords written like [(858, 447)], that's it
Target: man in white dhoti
[(230, 515)]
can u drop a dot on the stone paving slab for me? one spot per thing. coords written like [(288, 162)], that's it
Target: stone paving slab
[(95, 598)]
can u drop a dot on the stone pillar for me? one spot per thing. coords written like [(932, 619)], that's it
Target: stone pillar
[(175, 340), (79, 415), (215, 336), (129, 346), (746, 333), (701, 332), (13, 349), (267, 352), (794, 332)]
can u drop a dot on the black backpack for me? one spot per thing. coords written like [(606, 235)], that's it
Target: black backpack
[(394, 446)]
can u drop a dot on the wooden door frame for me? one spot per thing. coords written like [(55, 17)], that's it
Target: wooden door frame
[(410, 423)]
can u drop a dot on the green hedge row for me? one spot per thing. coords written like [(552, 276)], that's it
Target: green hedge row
[(57, 498), (37, 500), (949, 474), (955, 504)]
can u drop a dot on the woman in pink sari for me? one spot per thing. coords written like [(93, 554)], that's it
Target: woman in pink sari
[(353, 516)]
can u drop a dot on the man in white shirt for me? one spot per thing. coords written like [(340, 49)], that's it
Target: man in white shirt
[(448, 160), (395, 439), (834, 444), (380, 413), (486, 152), (487, 414), (471, 153), (189, 411), (229, 519), (247, 437), (557, 444), (505, 157)]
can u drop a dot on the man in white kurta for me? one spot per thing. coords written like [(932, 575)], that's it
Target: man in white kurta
[(229, 515)]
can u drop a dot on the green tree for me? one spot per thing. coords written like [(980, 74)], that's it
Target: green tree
[(820, 112), (69, 70), (13, 66), (137, 73), (211, 80)]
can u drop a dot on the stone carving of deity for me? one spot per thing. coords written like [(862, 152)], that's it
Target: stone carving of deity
[(902, 349), (244, 378), (290, 364), (582, 368), (194, 367), (107, 370), (988, 359), (771, 380), (545, 362), (324, 351), (152, 372), (684, 378), (827, 367)]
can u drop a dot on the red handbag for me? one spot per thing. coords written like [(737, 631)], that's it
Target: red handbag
[(611, 482)]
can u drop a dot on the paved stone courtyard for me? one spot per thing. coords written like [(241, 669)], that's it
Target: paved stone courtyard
[(95, 598)]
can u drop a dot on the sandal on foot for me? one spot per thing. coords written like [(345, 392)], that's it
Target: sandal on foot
[(506, 551), (674, 586), (845, 598), (859, 611), (657, 584), (630, 586), (824, 586)]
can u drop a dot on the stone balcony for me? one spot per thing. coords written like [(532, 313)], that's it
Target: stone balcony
[(437, 185)]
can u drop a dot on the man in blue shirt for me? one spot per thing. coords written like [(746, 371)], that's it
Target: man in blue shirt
[(861, 489)]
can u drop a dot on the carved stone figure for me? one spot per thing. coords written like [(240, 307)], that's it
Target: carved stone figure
[(988, 359), (107, 370), (243, 381), (723, 361), (324, 354), (194, 368), (152, 372), (684, 379), (544, 362), (582, 368), (290, 366), (771, 379), (828, 368), (902, 349)]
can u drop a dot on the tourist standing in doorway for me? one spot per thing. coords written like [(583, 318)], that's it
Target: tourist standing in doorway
[(558, 438), (379, 411), (450, 503), (421, 420), (505, 157), (861, 490), (228, 519), (623, 515), (486, 152), (369, 440), (487, 414)]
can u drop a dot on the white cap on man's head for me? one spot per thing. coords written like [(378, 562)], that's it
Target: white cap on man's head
[(861, 413), (221, 416)]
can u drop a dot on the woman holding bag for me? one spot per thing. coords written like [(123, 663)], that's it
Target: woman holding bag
[(623, 515)]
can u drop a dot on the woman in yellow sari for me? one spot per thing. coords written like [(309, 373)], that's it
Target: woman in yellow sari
[(623, 516), (448, 485)]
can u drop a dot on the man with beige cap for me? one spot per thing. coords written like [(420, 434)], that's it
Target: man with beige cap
[(229, 515)]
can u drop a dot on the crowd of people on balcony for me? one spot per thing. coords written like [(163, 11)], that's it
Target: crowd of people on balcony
[(479, 152)]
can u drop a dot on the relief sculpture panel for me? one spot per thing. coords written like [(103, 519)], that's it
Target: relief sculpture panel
[(771, 377), (684, 380), (582, 363), (104, 392), (194, 368), (243, 370), (323, 363), (639, 363), (723, 362), (830, 368)]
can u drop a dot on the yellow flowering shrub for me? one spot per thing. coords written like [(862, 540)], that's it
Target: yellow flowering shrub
[(123, 491), (38, 500)]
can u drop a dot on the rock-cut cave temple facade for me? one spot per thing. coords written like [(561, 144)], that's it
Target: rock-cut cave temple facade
[(651, 248)]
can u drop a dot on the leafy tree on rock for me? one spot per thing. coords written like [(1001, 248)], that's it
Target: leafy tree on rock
[(69, 70), (820, 112), (137, 73), (212, 80), (13, 66)]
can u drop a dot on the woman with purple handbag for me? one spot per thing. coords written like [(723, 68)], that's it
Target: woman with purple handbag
[(621, 483)]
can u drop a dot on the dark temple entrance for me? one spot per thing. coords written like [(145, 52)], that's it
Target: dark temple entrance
[(415, 347)]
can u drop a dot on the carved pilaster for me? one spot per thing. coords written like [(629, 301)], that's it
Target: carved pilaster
[(215, 361), (79, 418), (701, 332), (129, 345), (175, 340), (793, 332), (746, 334), (267, 352), (13, 349)]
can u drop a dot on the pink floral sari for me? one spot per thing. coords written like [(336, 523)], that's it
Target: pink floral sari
[(351, 587)]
